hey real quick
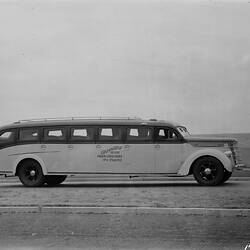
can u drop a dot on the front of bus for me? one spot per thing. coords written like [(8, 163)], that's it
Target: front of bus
[(229, 146)]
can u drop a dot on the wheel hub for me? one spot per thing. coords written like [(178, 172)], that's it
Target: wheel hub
[(208, 171), (32, 173)]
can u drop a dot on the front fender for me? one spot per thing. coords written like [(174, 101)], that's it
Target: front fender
[(226, 162), (29, 156)]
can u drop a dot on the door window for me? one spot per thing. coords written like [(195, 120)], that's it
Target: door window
[(163, 134)]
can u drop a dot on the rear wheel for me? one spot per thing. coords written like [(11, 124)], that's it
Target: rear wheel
[(30, 174), (208, 171), (54, 180)]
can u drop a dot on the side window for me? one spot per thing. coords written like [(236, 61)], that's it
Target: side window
[(7, 137), (82, 134), (163, 134), (28, 134), (139, 134), (110, 134), (54, 134)]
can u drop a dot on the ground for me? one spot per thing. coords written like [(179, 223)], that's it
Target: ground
[(57, 229)]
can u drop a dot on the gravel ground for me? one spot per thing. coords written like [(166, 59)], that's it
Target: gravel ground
[(156, 232), (234, 194)]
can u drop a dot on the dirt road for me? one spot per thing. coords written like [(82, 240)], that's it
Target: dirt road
[(122, 231), (234, 194)]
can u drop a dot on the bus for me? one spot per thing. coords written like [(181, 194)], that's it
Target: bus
[(46, 151)]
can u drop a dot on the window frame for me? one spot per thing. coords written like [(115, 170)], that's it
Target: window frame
[(71, 140), (179, 138), (9, 143), (54, 140), (145, 141), (29, 141), (110, 141)]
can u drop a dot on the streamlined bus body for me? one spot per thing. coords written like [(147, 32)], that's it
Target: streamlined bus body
[(47, 150)]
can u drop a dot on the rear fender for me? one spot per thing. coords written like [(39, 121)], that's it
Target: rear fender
[(29, 156)]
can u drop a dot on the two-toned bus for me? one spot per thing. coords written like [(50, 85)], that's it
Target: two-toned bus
[(43, 151)]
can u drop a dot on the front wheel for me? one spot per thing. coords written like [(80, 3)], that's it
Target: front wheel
[(208, 171), (30, 174), (226, 176)]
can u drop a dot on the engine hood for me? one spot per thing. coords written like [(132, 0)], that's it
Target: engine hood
[(210, 141)]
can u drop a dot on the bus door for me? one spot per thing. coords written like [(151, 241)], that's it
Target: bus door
[(109, 151), (139, 150), (54, 149), (168, 151), (81, 149)]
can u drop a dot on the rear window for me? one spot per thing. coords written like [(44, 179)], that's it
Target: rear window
[(28, 134), (7, 137), (54, 134)]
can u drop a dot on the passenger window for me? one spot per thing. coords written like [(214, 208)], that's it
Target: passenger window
[(110, 134), (133, 132), (82, 134), (54, 134), (6, 137), (139, 134), (162, 132), (28, 134), (106, 132), (165, 134)]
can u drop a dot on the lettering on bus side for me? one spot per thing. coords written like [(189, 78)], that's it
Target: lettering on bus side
[(112, 154), (112, 135)]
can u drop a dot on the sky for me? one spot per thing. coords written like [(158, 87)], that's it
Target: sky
[(183, 61)]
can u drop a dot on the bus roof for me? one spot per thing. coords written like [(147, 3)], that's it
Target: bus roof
[(88, 122)]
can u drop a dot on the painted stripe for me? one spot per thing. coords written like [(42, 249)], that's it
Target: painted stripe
[(38, 152), (221, 212), (123, 174)]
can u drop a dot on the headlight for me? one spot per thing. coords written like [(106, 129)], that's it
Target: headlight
[(228, 154)]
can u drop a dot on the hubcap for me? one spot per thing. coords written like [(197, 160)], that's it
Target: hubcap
[(208, 171), (32, 173)]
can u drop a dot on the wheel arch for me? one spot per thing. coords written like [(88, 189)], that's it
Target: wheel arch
[(194, 162), (19, 161), (186, 167)]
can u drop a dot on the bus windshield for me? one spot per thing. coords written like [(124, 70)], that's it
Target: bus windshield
[(184, 132)]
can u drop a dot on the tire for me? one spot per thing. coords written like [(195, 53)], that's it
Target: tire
[(208, 171), (226, 176), (30, 174), (54, 180)]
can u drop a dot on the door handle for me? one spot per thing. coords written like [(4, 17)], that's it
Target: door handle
[(43, 147), (157, 146), (70, 146), (98, 146)]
